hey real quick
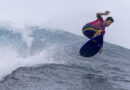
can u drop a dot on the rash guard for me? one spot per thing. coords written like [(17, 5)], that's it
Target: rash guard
[(100, 24)]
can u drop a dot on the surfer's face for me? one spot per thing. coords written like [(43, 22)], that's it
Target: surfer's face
[(108, 23)]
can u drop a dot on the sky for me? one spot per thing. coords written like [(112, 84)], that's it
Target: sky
[(70, 15)]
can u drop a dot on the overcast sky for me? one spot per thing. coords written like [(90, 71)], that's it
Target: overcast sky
[(70, 15)]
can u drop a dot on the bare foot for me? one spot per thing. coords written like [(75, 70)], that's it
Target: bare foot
[(100, 51)]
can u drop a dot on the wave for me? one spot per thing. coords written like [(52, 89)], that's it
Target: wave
[(36, 58)]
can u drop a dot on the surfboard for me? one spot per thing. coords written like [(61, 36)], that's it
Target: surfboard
[(91, 47)]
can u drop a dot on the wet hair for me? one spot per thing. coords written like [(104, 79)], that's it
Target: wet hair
[(110, 18)]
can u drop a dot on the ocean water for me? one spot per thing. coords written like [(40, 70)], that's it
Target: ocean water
[(34, 58)]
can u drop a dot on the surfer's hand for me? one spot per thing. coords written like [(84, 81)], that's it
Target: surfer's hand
[(106, 13)]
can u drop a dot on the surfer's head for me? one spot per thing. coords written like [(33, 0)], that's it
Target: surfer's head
[(109, 21)]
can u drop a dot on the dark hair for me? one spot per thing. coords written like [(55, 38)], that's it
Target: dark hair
[(110, 18)]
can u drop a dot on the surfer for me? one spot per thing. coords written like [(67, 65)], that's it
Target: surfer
[(97, 26)]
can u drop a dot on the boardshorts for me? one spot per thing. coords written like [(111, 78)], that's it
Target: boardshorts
[(89, 31)]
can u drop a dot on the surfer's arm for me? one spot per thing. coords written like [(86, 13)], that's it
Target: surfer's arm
[(97, 33), (100, 14)]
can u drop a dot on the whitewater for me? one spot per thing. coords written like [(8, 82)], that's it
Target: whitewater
[(34, 58)]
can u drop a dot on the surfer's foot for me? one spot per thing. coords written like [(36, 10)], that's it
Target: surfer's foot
[(100, 51)]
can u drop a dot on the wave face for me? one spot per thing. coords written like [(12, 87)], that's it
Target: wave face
[(45, 59)]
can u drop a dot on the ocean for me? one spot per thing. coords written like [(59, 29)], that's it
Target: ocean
[(34, 58)]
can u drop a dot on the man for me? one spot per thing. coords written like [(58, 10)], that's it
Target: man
[(97, 27)]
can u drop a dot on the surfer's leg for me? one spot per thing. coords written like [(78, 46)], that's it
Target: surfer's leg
[(101, 49), (89, 33)]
